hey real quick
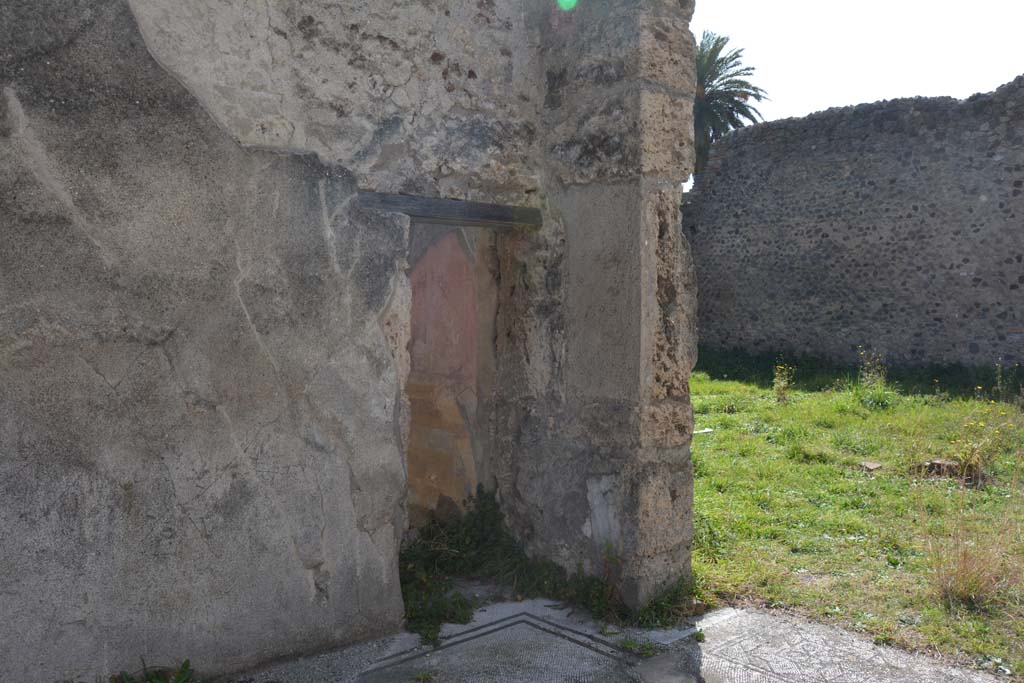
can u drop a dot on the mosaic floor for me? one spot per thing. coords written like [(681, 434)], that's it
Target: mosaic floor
[(537, 641)]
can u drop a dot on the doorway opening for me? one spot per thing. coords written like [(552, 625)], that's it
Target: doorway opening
[(451, 379), (453, 272)]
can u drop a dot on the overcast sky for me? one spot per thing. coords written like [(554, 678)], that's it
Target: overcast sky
[(815, 54)]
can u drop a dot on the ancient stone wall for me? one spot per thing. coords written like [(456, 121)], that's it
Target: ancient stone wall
[(597, 313), (898, 226), (584, 114), (204, 416)]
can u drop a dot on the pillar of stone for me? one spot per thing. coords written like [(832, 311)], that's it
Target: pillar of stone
[(618, 118)]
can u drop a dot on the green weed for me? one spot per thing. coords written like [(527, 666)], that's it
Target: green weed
[(645, 649), (782, 381), (180, 674), (972, 568), (708, 539), (480, 546)]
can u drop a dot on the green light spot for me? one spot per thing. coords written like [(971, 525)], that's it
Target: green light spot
[(567, 4)]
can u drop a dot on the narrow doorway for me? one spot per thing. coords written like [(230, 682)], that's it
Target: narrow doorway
[(450, 383)]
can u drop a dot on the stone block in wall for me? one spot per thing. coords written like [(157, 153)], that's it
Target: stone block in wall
[(590, 48), (601, 280), (666, 44), (602, 45), (619, 90), (635, 130), (666, 134), (586, 497), (666, 424), (598, 140), (669, 306), (658, 529), (663, 496)]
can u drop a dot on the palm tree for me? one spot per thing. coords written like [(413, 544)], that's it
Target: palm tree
[(722, 101)]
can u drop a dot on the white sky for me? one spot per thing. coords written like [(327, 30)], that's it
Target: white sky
[(815, 54)]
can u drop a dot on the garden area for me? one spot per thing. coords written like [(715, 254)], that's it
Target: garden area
[(889, 503)]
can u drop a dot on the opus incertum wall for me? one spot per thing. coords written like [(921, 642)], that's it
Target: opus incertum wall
[(204, 328), (897, 225)]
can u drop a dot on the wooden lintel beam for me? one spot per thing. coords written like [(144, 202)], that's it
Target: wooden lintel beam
[(452, 211)]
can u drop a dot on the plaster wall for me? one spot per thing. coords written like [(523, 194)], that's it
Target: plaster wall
[(428, 98), (201, 352), (897, 225)]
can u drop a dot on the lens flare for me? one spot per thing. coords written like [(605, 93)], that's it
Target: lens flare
[(567, 4)]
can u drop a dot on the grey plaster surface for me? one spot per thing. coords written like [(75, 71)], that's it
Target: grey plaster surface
[(540, 641), (201, 381)]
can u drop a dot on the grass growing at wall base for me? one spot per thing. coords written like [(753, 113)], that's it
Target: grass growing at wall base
[(787, 514), (1005, 382), (480, 546), (147, 674)]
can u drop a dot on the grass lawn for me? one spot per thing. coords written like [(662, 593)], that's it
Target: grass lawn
[(787, 516)]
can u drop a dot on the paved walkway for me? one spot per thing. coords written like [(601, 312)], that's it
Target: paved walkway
[(537, 641)]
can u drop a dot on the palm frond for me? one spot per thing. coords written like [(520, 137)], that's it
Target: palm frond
[(724, 96)]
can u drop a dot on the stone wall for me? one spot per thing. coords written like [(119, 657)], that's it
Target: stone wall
[(897, 225), (597, 315), (204, 337)]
